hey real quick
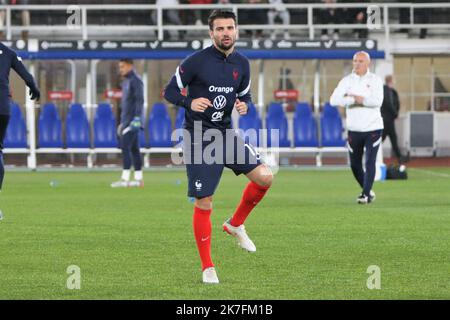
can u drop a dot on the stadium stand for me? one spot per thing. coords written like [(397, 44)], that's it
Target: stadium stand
[(307, 17)]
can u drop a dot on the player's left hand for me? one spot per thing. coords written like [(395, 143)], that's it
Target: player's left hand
[(136, 123), (241, 107), (35, 94)]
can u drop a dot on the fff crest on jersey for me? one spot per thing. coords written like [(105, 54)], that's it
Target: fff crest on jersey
[(219, 102), (235, 75)]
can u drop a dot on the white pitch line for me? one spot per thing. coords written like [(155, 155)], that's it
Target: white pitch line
[(432, 173)]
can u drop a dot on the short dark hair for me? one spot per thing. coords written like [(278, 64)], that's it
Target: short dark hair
[(220, 14), (129, 61), (388, 78)]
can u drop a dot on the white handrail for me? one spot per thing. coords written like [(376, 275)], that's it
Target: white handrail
[(84, 29), (227, 6)]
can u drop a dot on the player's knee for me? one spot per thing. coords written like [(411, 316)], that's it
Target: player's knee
[(371, 164), (204, 203), (266, 179)]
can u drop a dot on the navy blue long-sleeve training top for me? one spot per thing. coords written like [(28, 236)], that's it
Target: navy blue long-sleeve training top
[(8, 60), (132, 101), (210, 74)]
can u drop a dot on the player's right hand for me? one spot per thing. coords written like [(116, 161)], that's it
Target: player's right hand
[(200, 104), (119, 130)]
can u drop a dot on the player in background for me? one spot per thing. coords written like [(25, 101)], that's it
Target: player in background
[(131, 104), (218, 81), (9, 60), (361, 93)]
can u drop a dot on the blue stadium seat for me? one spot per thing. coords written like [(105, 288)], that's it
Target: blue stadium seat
[(251, 121), (159, 127), (331, 127), (77, 127), (49, 127), (305, 127), (179, 122), (16, 134), (180, 118), (276, 119), (105, 135)]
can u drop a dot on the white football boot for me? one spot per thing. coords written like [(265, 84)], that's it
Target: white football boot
[(372, 196), (210, 275), (120, 184), (240, 234), (136, 183), (362, 199)]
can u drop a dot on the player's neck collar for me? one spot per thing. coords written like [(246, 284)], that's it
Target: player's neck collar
[(129, 73), (221, 54)]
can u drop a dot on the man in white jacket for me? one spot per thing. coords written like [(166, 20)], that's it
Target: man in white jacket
[(361, 93)]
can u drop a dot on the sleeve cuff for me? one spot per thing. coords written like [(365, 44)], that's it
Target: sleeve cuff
[(187, 102), (349, 101), (370, 104)]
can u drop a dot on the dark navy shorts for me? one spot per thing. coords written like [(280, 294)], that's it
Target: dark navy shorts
[(206, 158)]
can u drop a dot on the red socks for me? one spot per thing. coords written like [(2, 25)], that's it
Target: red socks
[(202, 232), (253, 193)]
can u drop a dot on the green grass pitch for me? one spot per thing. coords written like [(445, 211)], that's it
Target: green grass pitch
[(313, 241)]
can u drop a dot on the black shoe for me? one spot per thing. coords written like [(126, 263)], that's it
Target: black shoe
[(363, 199)]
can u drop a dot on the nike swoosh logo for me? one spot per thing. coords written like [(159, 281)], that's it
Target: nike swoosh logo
[(204, 239)]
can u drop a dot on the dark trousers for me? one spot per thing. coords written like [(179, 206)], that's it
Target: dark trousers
[(389, 131), (357, 141), (130, 150), (4, 119)]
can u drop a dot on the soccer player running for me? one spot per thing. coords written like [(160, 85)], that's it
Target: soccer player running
[(361, 93), (8, 60), (218, 81), (130, 124)]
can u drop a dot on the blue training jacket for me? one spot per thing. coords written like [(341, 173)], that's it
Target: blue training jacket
[(132, 101), (8, 60), (210, 74)]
